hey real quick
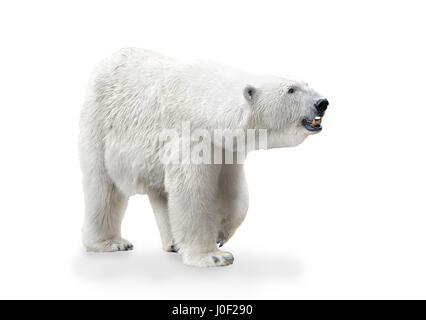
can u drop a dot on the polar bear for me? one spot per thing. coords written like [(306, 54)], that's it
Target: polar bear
[(136, 94)]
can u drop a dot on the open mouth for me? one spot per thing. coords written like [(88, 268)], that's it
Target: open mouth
[(312, 125)]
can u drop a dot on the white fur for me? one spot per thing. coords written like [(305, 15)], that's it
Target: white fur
[(135, 94)]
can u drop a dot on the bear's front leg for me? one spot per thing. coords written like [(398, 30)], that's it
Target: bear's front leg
[(159, 205), (233, 201), (192, 192)]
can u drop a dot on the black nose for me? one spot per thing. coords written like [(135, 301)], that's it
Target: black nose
[(321, 105)]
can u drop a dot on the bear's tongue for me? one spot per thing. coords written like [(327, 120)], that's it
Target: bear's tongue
[(313, 125)]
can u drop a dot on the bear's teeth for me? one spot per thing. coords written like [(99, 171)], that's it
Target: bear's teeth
[(316, 120)]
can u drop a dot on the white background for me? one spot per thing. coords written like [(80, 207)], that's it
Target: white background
[(341, 216)]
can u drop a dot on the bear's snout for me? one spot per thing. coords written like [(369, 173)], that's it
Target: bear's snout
[(321, 105)]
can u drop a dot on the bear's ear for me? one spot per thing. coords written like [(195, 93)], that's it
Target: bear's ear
[(249, 92)]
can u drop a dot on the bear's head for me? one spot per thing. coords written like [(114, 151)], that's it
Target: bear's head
[(288, 109)]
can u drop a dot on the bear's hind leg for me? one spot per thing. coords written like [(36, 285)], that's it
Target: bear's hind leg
[(105, 207)]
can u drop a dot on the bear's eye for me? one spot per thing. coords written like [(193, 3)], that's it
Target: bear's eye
[(291, 90)]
